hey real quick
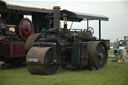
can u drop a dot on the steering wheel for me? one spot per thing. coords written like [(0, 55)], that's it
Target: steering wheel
[(90, 29)]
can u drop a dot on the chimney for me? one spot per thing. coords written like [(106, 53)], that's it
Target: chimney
[(56, 16)]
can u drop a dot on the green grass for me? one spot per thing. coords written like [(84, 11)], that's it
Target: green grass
[(112, 74), (110, 52)]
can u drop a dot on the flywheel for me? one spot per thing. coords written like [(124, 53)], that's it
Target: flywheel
[(25, 28), (41, 60), (97, 53)]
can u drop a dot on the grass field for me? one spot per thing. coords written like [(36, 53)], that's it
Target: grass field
[(112, 74)]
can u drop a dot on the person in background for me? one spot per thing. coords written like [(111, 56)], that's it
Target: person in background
[(123, 57)]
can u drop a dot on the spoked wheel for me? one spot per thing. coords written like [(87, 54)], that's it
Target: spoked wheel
[(41, 60), (97, 53), (25, 28)]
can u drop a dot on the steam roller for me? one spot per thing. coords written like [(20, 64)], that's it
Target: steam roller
[(66, 47), (42, 61)]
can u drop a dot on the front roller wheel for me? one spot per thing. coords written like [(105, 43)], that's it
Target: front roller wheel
[(97, 53), (41, 60)]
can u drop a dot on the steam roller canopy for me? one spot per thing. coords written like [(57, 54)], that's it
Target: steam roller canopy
[(31, 39), (40, 60), (97, 53), (25, 28)]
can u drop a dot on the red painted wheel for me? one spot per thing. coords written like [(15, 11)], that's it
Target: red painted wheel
[(25, 28)]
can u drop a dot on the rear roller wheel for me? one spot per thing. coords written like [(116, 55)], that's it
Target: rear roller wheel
[(41, 60), (31, 39), (97, 53)]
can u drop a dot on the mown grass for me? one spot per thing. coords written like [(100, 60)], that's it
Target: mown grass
[(110, 52), (113, 74)]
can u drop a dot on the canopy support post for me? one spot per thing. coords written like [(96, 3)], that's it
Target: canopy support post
[(99, 29), (87, 23)]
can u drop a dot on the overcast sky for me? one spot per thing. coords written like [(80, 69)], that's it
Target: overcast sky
[(117, 11)]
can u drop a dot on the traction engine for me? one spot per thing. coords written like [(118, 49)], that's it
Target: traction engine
[(12, 40)]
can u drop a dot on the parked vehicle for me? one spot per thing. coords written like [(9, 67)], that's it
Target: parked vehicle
[(67, 47), (15, 29)]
